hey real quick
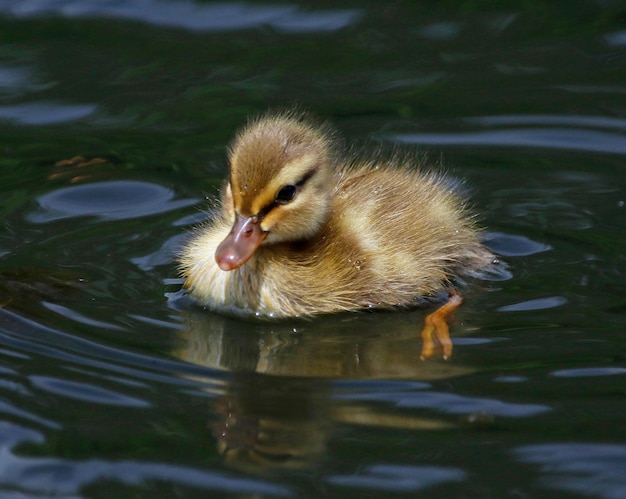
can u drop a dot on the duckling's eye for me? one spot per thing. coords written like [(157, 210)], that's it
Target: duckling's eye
[(286, 194)]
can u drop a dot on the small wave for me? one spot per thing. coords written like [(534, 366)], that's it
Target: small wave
[(193, 16)]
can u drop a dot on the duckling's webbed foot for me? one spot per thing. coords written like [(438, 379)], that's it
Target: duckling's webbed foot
[(436, 330)]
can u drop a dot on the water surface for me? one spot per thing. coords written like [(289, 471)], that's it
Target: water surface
[(115, 117)]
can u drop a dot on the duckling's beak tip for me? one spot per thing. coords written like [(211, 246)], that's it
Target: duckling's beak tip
[(240, 244)]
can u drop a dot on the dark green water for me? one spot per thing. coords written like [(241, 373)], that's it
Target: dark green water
[(112, 386)]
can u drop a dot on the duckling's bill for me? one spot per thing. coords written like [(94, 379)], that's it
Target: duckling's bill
[(240, 244)]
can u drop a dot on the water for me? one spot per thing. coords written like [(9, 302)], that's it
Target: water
[(114, 119)]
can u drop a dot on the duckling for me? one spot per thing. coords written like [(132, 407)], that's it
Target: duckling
[(302, 231)]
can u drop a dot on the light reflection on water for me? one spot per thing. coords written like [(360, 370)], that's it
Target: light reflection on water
[(46, 113), (594, 470), (195, 16), (64, 477), (552, 138), (387, 477), (116, 200)]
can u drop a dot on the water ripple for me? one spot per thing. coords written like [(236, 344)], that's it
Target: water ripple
[(513, 245), (78, 317), (163, 255), (193, 16), (451, 403), (45, 113), (14, 78), (551, 131), (56, 476), (547, 119), (26, 335), (616, 39), (6, 408), (537, 304), (596, 470), (587, 372), (552, 138), (440, 31), (85, 392), (399, 478), (114, 200)]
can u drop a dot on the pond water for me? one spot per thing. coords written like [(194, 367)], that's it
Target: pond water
[(114, 122)]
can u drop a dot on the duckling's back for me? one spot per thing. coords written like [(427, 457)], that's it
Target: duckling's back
[(395, 236)]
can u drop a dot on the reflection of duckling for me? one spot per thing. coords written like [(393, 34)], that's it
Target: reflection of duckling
[(265, 424), (280, 408), (302, 233), (340, 346)]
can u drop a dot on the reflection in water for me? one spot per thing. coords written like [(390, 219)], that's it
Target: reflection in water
[(281, 408), (267, 423), (285, 417), (357, 346)]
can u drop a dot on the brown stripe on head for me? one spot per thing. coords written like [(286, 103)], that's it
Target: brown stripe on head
[(271, 152)]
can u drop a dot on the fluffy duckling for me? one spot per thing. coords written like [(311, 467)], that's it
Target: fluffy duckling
[(303, 232)]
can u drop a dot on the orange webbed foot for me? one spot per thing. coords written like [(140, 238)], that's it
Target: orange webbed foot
[(436, 328)]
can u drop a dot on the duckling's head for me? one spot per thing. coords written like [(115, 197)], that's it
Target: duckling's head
[(280, 186)]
